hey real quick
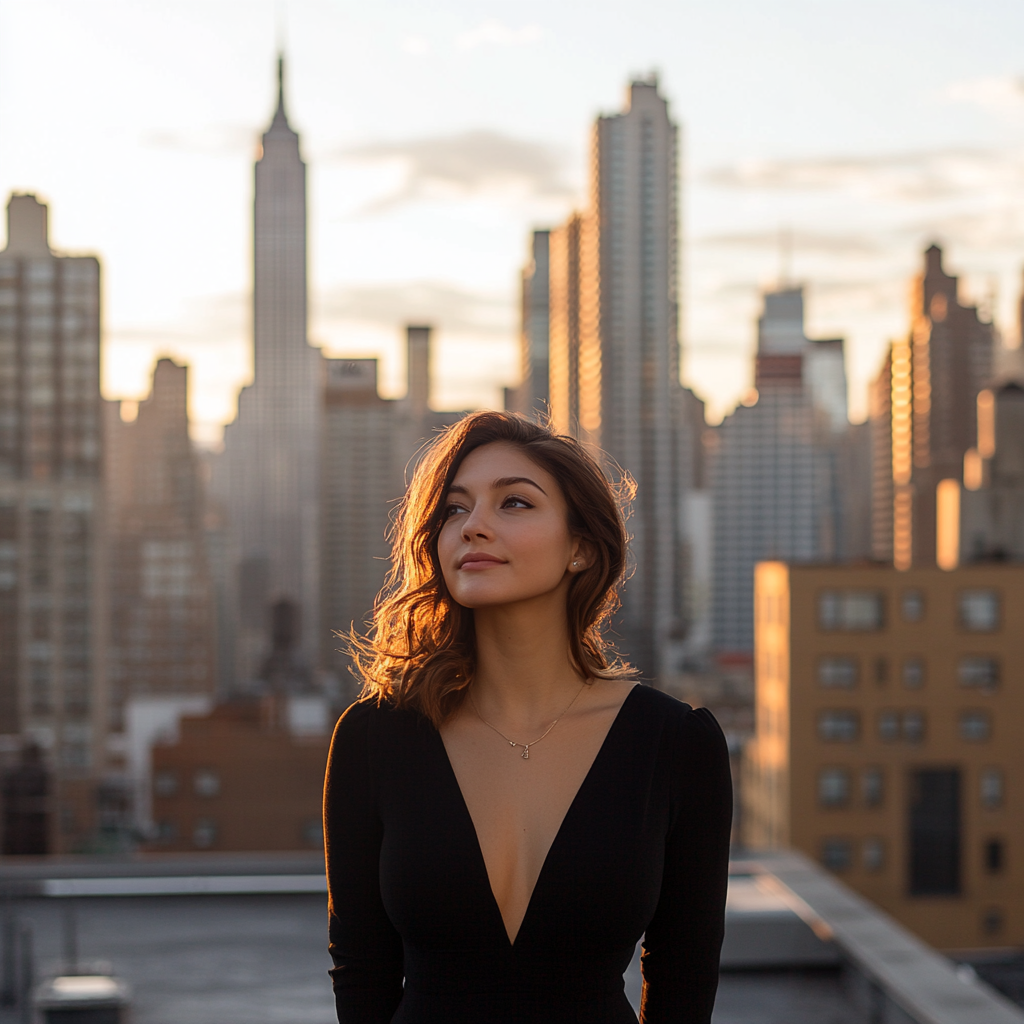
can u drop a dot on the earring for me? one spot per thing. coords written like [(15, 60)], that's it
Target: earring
[(575, 564)]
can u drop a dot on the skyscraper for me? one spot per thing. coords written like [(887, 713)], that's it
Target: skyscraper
[(774, 475), (531, 396), (564, 324), (615, 353), (52, 589), (932, 377), (162, 634), (362, 478), (268, 476)]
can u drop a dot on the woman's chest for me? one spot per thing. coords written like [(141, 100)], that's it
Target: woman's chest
[(596, 855)]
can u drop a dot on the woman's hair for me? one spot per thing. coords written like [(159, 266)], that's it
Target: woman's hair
[(420, 651)]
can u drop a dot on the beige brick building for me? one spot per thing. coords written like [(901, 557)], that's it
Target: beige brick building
[(889, 738)]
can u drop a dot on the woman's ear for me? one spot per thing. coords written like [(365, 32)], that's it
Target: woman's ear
[(583, 555)]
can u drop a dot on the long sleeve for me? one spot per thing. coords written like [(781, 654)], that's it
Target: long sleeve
[(684, 939), (365, 948)]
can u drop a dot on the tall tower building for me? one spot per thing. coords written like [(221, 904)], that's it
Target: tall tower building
[(932, 377), (614, 355), (268, 476), (162, 634), (629, 371), (564, 325), (362, 479), (52, 587), (531, 396), (775, 476)]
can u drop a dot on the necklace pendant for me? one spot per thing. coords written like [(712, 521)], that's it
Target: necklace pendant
[(512, 744), (526, 752)]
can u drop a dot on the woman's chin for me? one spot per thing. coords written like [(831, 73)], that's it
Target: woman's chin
[(495, 597)]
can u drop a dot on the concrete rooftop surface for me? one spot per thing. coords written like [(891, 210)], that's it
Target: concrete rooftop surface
[(242, 940)]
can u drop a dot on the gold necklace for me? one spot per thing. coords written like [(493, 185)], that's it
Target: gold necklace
[(525, 755)]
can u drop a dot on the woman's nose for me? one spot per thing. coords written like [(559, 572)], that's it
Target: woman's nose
[(476, 524)]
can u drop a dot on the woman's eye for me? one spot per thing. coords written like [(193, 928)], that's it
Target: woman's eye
[(452, 509), (513, 501)]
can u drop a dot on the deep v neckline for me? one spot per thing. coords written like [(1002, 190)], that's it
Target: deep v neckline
[(482, 863)]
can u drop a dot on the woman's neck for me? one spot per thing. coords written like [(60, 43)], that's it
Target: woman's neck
[(523, 672)]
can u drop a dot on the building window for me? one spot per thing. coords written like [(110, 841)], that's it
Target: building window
[(836, 854), (75, 754), (912, 605), (833, 787), (913, 673), (840, 726), (978, 671), (992, 921), (992, 788), (206, 783), (979, 610), (313, 833), (838, 672), (165, 783), (872, 786), (913, 726), (873, 854), (166, 832), (995, 856), (975, 726), (888, 726), (850, 610), (204, 835)]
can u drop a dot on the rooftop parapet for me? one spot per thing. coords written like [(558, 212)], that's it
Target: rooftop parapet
[(891, 975)]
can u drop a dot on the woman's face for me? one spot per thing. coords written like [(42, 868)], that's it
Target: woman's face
[(505, 536)]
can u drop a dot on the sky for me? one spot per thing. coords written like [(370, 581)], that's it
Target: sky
[(439, 135)]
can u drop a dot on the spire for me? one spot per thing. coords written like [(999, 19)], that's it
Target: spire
[(280, 117)]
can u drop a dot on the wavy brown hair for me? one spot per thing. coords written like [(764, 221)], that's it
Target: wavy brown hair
[(420, 651)]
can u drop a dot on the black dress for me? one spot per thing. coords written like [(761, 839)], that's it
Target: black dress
[(642, 851)]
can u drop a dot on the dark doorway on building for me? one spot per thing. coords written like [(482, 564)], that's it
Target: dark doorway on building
[(934, 819)]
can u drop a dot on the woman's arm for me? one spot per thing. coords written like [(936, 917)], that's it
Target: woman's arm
[(366, 949), (684, 939)]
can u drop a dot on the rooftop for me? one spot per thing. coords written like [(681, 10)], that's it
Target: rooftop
[(241, 939)]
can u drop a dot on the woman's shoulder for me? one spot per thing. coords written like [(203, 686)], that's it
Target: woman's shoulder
[(371, 716), (662, 705), (677, 719)]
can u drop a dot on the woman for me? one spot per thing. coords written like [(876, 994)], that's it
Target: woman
[(507, 812)]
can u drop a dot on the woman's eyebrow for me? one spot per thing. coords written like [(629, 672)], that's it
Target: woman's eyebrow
[(508, 481)]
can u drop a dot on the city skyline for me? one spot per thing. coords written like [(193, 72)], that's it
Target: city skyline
[(422, 198), (839, 592)]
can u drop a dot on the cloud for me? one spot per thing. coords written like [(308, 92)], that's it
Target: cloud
[(471, 162), (998, 92), (208, 140), (447, 307), (915, 176), (415, 45), (806, 242), (494, 32)]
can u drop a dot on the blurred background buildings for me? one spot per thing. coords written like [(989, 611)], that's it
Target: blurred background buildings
[(845, 597)]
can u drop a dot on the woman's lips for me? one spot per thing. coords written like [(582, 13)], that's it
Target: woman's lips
[(480, 561)]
